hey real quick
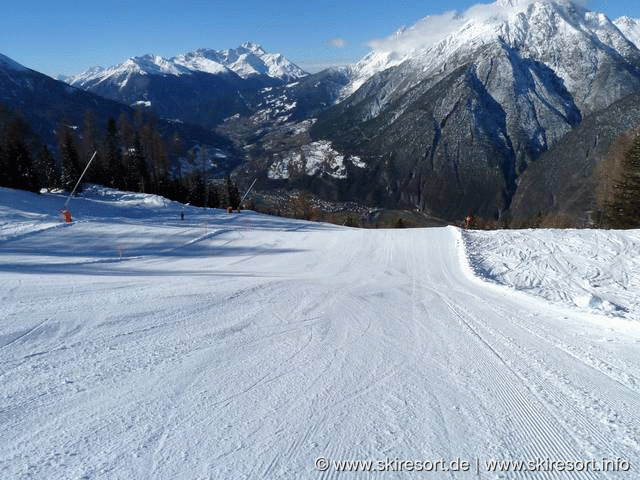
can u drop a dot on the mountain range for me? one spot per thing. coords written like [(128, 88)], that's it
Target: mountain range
[(463, 114), (456, 114), (46, 104), (201, 87)]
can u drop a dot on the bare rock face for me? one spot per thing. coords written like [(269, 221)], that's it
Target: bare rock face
[(565, 179)]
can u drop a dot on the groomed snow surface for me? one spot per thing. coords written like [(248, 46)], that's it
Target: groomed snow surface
[(137, 345)]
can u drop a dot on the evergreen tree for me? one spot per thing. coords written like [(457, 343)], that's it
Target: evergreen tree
[(69, 159), (113, 165), (88, 145), (18, 168), (47, 169), (212, 200), (156, 156), (5, 174), (136, 166), (233, 193), (197, 190), (623, 211), (126, 132)]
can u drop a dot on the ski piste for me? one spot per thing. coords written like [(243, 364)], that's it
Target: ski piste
[(139, 345)]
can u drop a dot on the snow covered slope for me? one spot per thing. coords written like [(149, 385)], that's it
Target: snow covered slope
[(136, 345), (630, 27), (593, 269)]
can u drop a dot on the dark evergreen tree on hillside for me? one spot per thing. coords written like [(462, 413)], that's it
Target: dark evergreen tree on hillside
[(196, 188), (113, 165), (212, 198), (16, 164), (137, 169), (47, 169), (623, 211), (89, 144), (126, 133), (155, 153), (233, 193), (131, 155), (4, 167), (69, 158)]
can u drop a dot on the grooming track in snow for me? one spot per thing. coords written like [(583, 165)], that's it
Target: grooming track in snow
[(137, 345)]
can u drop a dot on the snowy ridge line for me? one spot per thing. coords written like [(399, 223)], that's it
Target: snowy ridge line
[(246, 61)]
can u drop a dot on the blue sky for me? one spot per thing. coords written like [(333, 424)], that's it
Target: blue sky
[(68, 36)]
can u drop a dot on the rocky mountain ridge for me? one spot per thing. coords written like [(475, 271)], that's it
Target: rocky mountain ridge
[(452, 127)]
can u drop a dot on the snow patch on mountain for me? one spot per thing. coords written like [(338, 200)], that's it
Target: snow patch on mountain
[(315, 158), (155, 65), (200, 63), (630, 27), (144, 65)]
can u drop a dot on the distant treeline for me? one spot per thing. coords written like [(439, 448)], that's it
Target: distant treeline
[(131, 155)]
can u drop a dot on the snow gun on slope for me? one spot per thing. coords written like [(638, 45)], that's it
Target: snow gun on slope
[(65, 209), (247, 192)]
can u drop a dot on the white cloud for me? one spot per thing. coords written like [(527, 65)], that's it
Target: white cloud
[(435, 28), (338, 42), (322, 64), (425, 33)]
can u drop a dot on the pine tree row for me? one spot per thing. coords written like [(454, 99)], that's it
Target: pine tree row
[(131, 156)]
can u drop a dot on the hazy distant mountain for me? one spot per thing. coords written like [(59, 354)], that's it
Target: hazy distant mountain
[(202, 87)]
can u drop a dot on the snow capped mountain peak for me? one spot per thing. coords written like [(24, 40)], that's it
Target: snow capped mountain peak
[(200, 61), (478, 21), (627, 21), (248, 60), (254, 48), (630, 27), (536, 28), (151, 64), (514, 3)]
